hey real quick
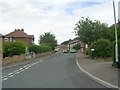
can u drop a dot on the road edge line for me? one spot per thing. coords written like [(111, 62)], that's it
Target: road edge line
[(104, 83)]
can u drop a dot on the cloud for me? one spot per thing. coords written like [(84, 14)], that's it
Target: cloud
[(57, 16)]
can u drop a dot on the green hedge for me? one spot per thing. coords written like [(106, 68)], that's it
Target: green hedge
[(113, 55), (13, 48), (103, 48), (40, 48), (34, 48)]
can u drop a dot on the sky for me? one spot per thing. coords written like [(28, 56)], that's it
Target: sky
[(56, 16)]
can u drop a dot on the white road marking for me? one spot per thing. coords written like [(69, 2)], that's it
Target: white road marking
[(20, 68), (26, 67), (5, 79), (11, 75), (36, 62), (17, 72), (29, 66)]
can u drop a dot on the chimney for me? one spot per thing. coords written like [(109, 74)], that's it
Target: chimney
[(22, 29)]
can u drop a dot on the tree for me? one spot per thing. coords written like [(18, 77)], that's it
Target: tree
[(77, 46), (89, 31), (48, 38)]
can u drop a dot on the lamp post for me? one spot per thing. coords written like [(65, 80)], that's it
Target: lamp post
[(116, 36)]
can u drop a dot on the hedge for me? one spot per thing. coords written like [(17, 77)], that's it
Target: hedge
[(102, 48), (13, 48), (40, 48)]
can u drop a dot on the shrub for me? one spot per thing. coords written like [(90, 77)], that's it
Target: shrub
[(113, 54), (13, 48), (34, 48), (44, 48), (102, 48), (40, 48)]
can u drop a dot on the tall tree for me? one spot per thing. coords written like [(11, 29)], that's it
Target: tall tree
[(89, 31), (48, 38)]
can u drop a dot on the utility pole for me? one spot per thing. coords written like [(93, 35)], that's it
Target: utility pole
[(116, 36)]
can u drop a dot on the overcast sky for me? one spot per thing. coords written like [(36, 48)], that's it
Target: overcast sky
[(56, 16)]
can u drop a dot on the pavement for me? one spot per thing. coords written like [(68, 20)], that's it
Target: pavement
[(102, 72)]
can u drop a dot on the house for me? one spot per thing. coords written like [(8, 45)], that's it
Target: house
[(75, 42), (19, 35), (62, 47)]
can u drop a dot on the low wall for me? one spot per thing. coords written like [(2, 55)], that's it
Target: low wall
[(18, 58), (15, 58)]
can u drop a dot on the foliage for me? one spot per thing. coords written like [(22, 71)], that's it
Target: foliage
[(34, 48), (90, 31), (13, 48), (112, 32), (44, 48), (113, 54), (102, 49), (40, 48), (77, 46), (48, 38)]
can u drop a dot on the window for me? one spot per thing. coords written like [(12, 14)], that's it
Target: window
[(6, 39)]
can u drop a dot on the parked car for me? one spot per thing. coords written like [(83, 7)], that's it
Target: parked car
[(72, 51), (65, 51)]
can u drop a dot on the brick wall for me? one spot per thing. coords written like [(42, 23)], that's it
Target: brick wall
[(26, 41), (14, 59), (1, 51)]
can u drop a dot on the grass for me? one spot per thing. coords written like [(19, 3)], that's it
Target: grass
[(104, 59)]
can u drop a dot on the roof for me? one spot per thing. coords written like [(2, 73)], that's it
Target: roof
[(74, 41), (62, 45), (18, 33)]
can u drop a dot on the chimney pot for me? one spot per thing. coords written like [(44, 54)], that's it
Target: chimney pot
[(22, 29)]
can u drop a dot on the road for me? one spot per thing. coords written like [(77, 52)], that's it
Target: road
[(57, 71)]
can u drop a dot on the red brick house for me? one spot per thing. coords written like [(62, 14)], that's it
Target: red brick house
[(19, 35), (62, 47)]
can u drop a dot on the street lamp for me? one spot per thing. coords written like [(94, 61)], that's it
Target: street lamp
[(116, 36)]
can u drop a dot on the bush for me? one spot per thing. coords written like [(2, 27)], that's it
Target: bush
[(13, 48), (113, 54), (34, 48), (40, 48), (102, 49), (45, 48)]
